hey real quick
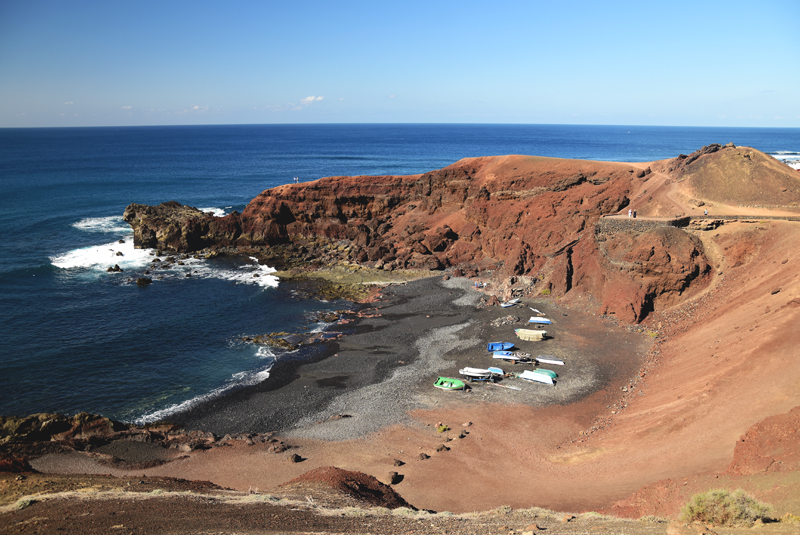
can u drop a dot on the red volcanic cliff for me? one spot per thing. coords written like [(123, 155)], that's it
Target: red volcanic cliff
[(524, 221)]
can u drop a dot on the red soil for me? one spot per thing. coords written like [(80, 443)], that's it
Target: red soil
[(725, 357)]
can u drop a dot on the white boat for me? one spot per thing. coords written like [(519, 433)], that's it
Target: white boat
[(495, 371), (549, 359), (529, 375), (476, 374), (505, 355), (510, 303), (540, 321)]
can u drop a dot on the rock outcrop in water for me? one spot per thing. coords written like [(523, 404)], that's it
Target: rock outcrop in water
[(525, 222)]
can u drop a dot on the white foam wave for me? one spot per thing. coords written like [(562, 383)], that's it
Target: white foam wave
[(246, 274), (265, 352), (216, 212), (237, 380), (112, 223), (321, 327), (101, 257)]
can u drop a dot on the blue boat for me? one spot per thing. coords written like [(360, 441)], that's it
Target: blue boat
[(540, 321), (499, 346)]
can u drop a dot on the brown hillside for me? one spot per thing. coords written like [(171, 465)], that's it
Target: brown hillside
[(741, 176)]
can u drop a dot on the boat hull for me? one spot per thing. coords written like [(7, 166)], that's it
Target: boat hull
[(448, 383), (530, 335)]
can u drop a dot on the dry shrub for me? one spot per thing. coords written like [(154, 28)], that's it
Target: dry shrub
[(723, 508)]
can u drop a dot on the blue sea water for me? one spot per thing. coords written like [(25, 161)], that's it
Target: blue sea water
[(76, 338)]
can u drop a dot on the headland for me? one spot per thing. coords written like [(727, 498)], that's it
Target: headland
[(676, 329)]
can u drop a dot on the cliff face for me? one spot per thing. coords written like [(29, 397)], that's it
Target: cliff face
[(525, 221)]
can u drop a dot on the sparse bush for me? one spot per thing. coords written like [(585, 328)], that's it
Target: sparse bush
[(355, 511), (655, 519), (723, 508), (22, 503), (504, 510), (789, 518), (546, 291), (442, 428)]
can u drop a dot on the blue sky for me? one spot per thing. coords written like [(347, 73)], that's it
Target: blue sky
[(697, 63)]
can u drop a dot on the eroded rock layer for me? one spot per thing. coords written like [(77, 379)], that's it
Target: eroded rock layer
[(526, 222)]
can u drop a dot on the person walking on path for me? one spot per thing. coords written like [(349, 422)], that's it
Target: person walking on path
[(629, 213)]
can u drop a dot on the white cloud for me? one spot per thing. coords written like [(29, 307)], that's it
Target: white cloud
[(68, 103), (195, 109), (308, 100), (392, 96), (126, 107)]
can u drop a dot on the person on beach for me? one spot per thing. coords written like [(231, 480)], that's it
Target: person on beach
[(629, 213), (705, 212), (634, 214)]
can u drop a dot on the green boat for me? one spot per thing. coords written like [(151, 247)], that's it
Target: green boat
[(447, 383), (549, 373)]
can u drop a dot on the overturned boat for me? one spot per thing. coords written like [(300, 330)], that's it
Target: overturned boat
[(530, 335), (549, 359), (529, 375)]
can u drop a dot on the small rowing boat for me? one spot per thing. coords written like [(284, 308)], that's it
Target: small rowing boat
[(499, 346), (476, 374), (505, 355), (530, 335), (495, 371), (536, 377), (448, 383), (550, 373), (510, 303), (549, 359), (540, 321)]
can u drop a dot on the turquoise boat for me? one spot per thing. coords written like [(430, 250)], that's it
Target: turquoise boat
[(448, 383), (549, 373)]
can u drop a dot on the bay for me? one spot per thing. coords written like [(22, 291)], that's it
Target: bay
[(76, 338)]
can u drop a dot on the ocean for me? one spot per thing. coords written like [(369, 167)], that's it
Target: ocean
[(77, 338)]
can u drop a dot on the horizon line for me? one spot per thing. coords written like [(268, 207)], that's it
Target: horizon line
[(392, 124)]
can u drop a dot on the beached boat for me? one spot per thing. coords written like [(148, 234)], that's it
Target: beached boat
[(499, 346), (549, 373), (530, 335), (529, 375), (505, 355), (540, 321), (448, 383), (510, 303), (549, 359), (476, 374), (495, 370)]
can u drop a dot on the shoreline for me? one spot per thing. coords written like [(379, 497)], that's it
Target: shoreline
[(383, 369)]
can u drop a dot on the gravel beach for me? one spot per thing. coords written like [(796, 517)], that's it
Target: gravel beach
[(419, 330)]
